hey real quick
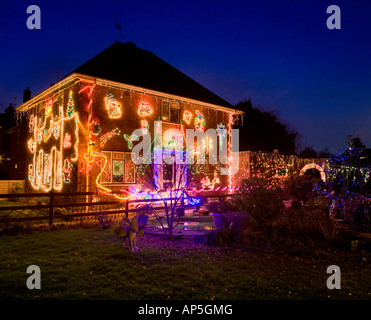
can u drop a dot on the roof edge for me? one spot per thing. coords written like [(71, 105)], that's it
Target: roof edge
[(82, 77)]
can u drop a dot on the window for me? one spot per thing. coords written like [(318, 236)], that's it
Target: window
[(41, 116), (56, 112), (119, 169), (170, 111)]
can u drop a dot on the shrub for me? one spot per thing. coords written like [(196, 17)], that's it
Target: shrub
[(240, 223), (299, 187), (259, 200), (16, 229), (221, 237), (306, 230), (236, 231), (105, 219), (144, 209), (220, 206)]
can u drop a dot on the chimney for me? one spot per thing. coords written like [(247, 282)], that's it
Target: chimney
[(26, 95)]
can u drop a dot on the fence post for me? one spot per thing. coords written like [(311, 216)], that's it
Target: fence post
[(51, 208), (127, 209)]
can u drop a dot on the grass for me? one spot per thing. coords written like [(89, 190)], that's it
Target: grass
[(92, 264)]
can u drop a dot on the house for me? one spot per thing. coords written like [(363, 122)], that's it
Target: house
[(79, 132)]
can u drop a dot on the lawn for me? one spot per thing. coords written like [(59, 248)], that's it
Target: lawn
[(91, 263)]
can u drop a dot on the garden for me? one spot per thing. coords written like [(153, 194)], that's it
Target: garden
[(262, 242)]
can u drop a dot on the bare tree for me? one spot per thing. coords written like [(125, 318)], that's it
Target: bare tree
[(170, 182)]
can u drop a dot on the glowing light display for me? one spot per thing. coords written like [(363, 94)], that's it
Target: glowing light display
[(144, 109), (54, 166), (67, 169), (113, 107), (145, 126), (221, 133), (31, 145), (57, 129), (70, 106), (130, 140), (314, 166), (67, 141), (103, 139), (199, 121), (48, 133), (187, 117), (48, 107), (31, 123)]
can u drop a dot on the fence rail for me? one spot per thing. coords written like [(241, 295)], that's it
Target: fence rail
[(85, 208)]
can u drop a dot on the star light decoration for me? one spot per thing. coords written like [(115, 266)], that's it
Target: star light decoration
[(103, 139)]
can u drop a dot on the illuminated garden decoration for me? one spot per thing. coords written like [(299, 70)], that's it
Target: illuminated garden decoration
[(144, 109), (113, 107)]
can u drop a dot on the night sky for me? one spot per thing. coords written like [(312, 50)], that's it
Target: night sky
[(279, 54)]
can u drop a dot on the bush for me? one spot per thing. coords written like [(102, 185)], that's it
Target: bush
[(221, 237), (144, 209), (220, 206), (259, 200), (105, 219), (235, 232), (306, 230), (299, 187), (16, 229), (241, 224)]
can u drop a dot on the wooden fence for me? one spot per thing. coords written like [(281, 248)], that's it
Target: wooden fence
[(47, 204)]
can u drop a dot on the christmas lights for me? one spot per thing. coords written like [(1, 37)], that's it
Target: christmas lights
[(67, 168), (70, 106), (144, 109), (145, 126), (130, 140), (57, 130), (199, 121), (103, 139), (67, 141), (314, 166), (221, 133), (48, 107), (187, 117), (31, 123), (31, 145), (113, 107)]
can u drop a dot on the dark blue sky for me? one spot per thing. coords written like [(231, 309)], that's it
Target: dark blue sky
[(278, 53)]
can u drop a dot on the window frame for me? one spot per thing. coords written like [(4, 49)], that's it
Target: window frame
[(171, 106), (124, 158)]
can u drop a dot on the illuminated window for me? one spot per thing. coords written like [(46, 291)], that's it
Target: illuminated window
[(170, 111), (119, 169)]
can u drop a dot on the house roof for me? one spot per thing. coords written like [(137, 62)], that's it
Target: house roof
[(125, 63)]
